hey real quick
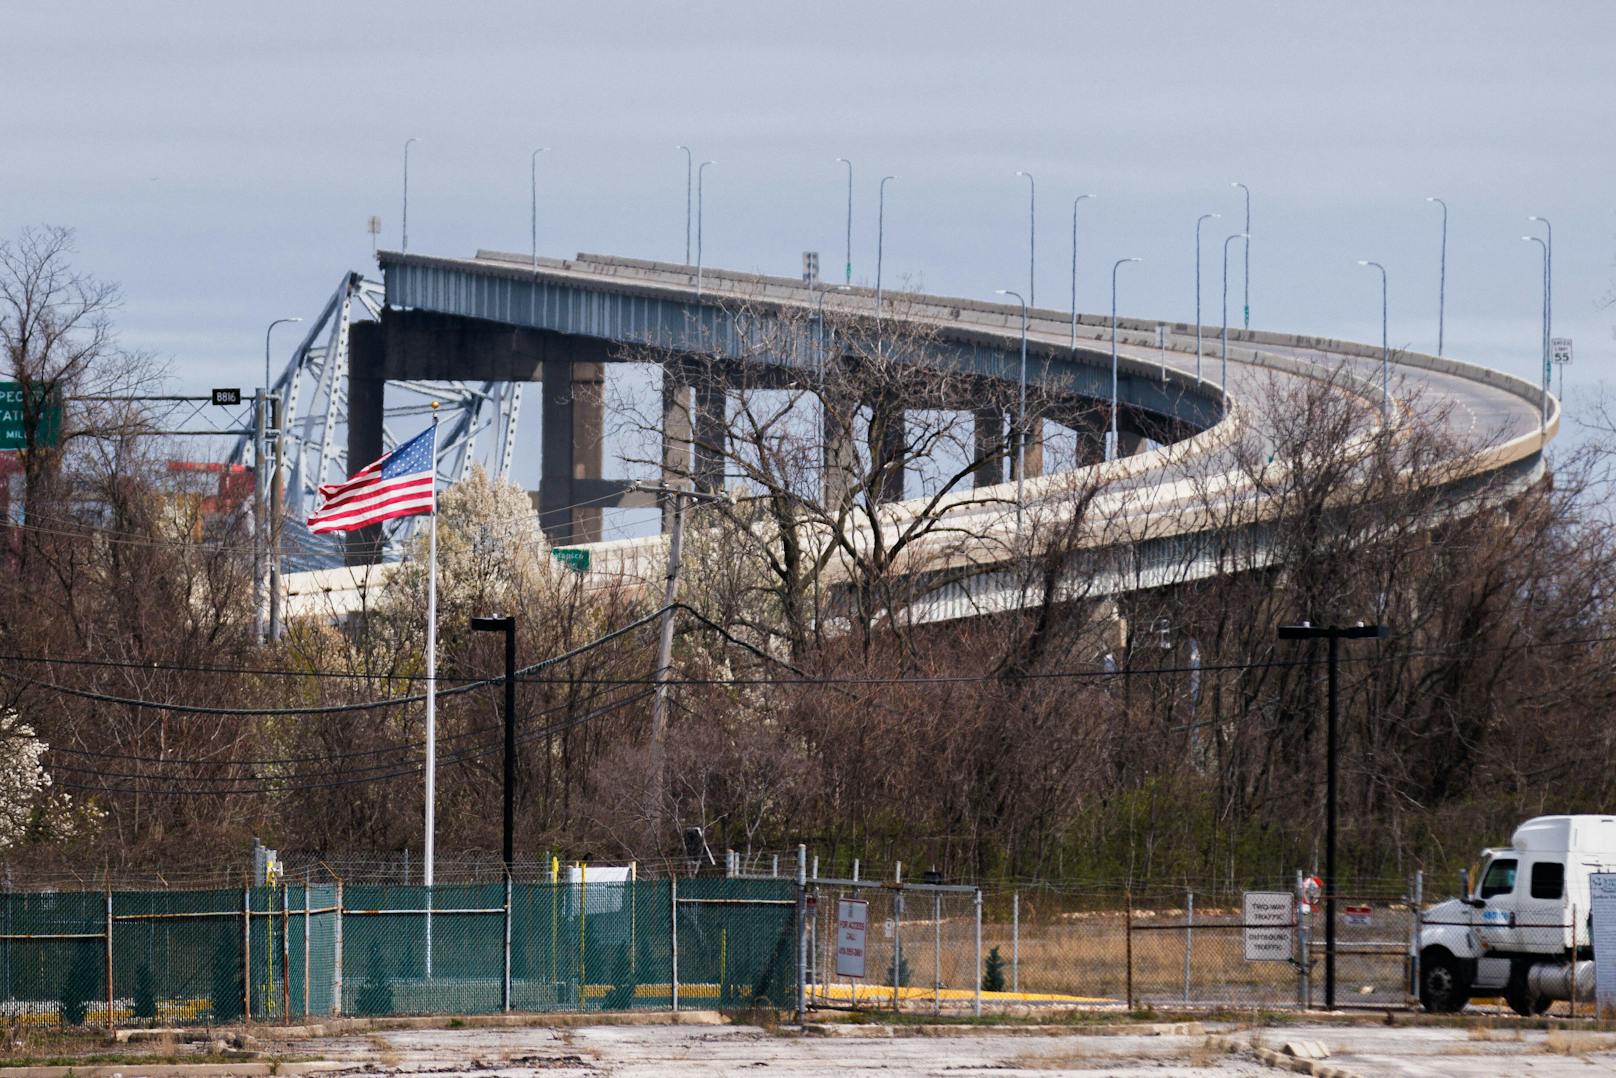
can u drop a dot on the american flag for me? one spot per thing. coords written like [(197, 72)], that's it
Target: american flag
[(398, 485)]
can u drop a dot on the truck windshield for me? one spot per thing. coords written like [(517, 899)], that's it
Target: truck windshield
[(1500, 878)]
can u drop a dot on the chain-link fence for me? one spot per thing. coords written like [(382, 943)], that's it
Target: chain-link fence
[(296, 951), (929, 947)]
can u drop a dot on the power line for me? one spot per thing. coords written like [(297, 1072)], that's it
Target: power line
[(297, 787), (165, 761), (328, 709)]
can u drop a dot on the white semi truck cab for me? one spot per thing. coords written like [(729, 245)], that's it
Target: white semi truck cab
[(1520, 929)]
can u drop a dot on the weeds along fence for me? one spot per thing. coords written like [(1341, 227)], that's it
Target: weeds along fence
[(299, 951)]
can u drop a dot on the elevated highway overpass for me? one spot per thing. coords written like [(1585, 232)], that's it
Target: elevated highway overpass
[(510, 319)]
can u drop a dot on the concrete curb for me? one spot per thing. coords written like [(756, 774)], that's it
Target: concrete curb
[(340, 1026)]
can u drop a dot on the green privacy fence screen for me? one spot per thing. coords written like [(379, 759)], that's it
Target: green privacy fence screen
[(284, 953)]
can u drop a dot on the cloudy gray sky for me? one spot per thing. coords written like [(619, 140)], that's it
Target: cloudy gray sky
[(220, 160)]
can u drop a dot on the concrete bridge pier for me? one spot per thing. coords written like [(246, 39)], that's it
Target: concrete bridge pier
[(889, 445), (989, 447), (571, 490), (1034, 454), (839, 456)]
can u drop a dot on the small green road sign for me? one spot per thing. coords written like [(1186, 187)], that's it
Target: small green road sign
[(12, 432), (574, 558)]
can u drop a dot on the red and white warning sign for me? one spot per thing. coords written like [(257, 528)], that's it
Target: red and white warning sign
[(1356, 915), (852, 921)]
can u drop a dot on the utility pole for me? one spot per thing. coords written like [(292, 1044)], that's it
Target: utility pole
[(260, 512), (1334, 634), (506, 623), (670, 595), (277, 510)]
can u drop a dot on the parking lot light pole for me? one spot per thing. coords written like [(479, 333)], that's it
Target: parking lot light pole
[(506, 623), (1334, 634)]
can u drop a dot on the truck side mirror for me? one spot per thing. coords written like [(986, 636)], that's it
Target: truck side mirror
[(1464, 883)]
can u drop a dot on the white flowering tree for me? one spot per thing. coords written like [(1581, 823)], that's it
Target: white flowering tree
[(25, 799)]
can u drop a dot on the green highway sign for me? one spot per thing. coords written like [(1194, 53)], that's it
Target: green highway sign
[(12, 434), (574, 558)]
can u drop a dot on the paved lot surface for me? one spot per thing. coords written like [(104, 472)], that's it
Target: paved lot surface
[(635, 1051)]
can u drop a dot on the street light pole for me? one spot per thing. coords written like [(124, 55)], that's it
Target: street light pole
[(533, 188), (506, 624), (1246, 234), (262, 485), (404, 226), (1543, 332), (686, 149), (847, 269), (1548, 310), (1075, 201), (268, 476), (880, 238), (1334, 634), (1223, 379), (700, 170), (1021, 412), (1114, 448), (1442, 277), (1199, 221), (1032, 236), (1385, 350)]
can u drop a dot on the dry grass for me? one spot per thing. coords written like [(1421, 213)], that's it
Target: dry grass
[(1566, 1042)]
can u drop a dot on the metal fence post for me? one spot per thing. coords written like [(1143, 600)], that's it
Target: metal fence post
[(897, 930), (1573, 960), (1415, 921), (286, 954), (1303, 955), (802, 932), (109, 962), (1015, 942), (1127, 944), (936, 952), (673, 937), (1189, 939), (246, 955), (977, 978), (308, 907), (336, 955), (507, 995)]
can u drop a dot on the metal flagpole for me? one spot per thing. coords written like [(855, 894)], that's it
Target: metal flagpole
[(431, 686)]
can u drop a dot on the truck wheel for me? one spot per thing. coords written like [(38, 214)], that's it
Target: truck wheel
[(1444, 986), (1522, 1002)]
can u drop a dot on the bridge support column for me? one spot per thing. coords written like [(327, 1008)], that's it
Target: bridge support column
[(839, 455), (1091, 425), (572, 450), (889, 443), (990, 449), (367, 381), (1035, 449), (712, 429), (676, 434), (1129, 441)]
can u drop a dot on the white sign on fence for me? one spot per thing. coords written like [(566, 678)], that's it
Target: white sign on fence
[(852, 921), (1602, 891), (1269, 925)]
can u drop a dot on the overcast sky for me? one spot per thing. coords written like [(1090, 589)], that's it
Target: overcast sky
[(220, 160)]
